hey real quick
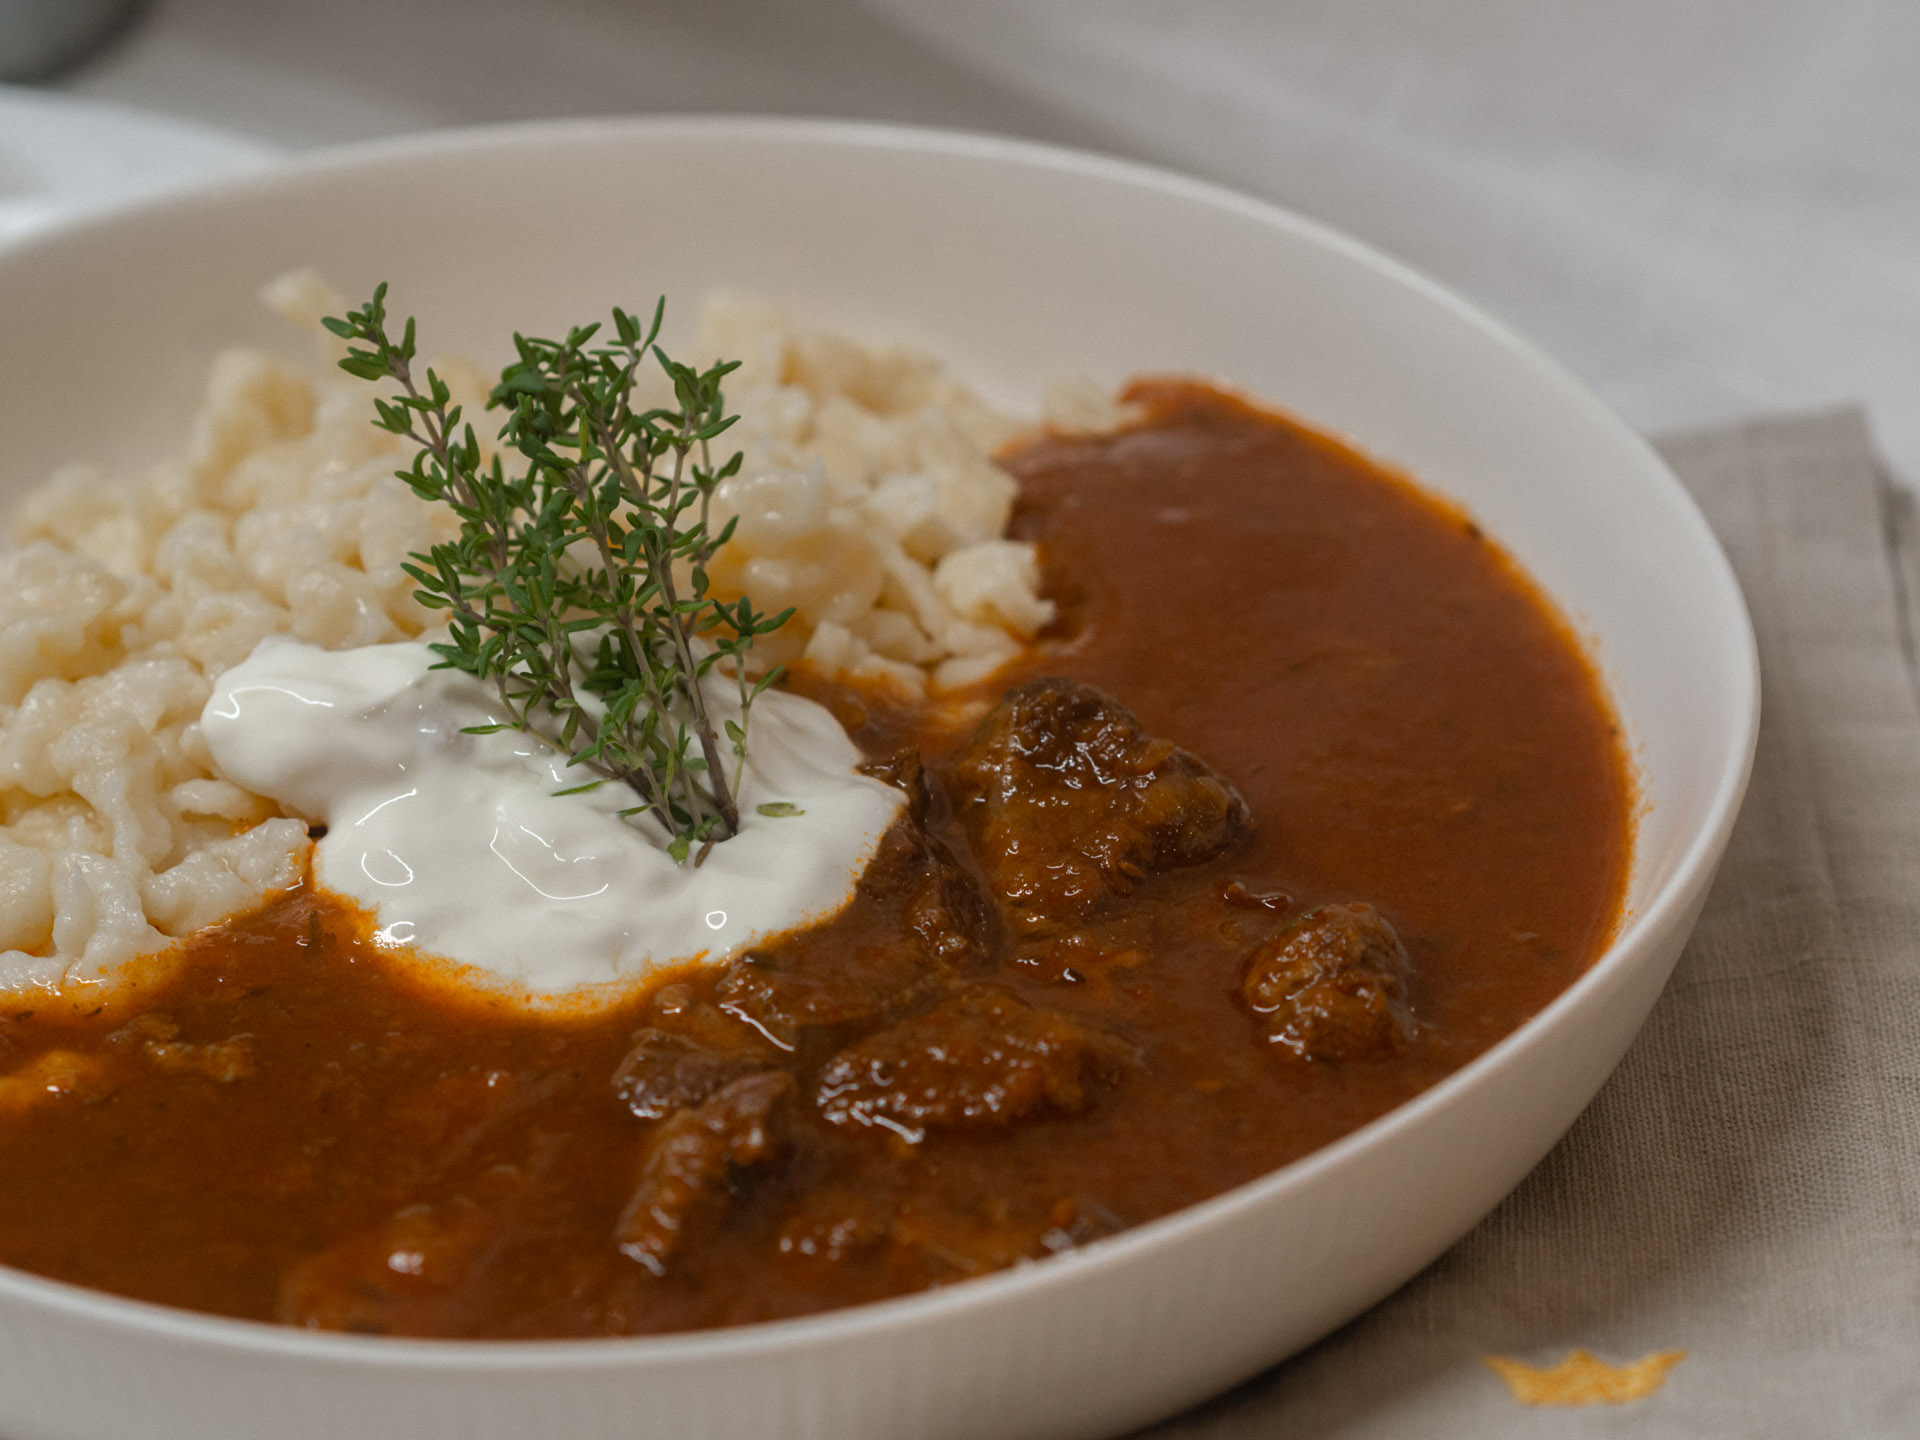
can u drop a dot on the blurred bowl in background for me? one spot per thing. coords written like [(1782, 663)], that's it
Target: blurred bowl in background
[(40, 37)]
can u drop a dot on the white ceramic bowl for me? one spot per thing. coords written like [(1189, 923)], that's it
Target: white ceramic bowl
[(1020, 263)]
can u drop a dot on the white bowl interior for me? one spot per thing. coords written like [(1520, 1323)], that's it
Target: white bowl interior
[(1020, 265)]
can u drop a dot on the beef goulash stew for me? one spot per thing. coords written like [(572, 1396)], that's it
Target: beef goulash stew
[(1304, 798)]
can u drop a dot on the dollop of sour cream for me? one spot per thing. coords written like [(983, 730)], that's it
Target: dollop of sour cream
[(459, 846)]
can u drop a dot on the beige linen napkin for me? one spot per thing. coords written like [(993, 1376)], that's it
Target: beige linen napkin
[(1747, 1186)]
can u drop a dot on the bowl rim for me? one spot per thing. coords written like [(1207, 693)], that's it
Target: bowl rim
[(1691, 869)]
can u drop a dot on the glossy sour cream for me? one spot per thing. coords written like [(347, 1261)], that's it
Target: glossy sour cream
[(460, 848)]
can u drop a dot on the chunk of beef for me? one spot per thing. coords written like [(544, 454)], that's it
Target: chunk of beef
[(416, 1271), (941, 905), (784, 994), (1070, 803), (980, 1239), (829, 1225), (944, 911), (983, 1057), (691, 1161), (663, 1072), (687, 1050), (376, 1284), (906, 772), (859, 970), (1333, 985), (932, 1239)]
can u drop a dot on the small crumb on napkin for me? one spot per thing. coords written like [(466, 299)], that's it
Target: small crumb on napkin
[(1583, 1378)]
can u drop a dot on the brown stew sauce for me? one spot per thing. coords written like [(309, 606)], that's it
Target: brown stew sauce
[(937, 1083)]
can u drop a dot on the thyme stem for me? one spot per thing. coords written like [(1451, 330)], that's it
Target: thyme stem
[(602, 660)]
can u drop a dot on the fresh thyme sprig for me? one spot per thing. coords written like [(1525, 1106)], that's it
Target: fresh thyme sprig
[(578, 584)]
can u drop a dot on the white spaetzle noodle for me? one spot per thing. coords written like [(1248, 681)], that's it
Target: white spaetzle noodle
[(868, 501)]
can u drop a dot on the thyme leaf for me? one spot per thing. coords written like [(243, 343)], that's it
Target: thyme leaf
[(577, 584)]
